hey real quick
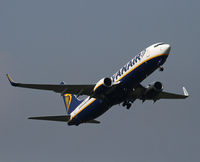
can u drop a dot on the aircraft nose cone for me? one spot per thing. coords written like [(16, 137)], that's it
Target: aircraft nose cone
[(165, 48)]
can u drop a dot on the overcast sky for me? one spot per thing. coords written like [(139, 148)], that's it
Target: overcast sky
[(80, 42)]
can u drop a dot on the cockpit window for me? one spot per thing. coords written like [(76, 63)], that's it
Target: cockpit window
[(158, 44)]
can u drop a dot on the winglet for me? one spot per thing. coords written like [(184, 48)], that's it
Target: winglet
[(185, 92), (11, 81)]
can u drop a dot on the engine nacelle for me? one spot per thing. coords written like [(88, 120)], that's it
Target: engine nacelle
[(157, 86), (153, 90), (102, 84)]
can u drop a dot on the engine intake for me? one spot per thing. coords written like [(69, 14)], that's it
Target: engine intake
[(158, 86), (107, 82), (153, 91), (102, 85)]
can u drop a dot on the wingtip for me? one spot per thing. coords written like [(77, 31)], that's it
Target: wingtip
[(185, 92), (10, 80)]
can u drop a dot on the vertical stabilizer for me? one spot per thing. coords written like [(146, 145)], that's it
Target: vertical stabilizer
[(71, 102)]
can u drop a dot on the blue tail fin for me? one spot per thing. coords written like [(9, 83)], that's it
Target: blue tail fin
[(71, 102)]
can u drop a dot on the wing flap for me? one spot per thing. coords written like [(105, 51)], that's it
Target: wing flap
[(62, 118), (58, 88)]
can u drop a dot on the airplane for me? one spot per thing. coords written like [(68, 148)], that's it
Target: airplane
[(124, 87)]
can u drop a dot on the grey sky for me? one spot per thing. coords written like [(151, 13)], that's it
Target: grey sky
[(82, 41)]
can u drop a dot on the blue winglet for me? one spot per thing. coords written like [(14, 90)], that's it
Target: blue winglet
[(11, 81)]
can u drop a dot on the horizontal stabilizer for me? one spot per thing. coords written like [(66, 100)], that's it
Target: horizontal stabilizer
[(63, 118), (93, 121)]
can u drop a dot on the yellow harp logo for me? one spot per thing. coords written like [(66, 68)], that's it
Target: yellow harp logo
[(68, 99)]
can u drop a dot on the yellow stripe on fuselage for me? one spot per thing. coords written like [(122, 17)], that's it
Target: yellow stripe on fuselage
[(139, 65), (82, 109)]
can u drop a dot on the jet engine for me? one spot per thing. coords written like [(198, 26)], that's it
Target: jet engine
[(102, 85), (156, 86), (153, 91)]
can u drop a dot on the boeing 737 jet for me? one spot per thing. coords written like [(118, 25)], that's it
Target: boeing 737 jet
[(123, 87)]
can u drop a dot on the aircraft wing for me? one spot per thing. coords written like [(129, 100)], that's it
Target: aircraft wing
[(59, 88), (140, 94), (167, 95)]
